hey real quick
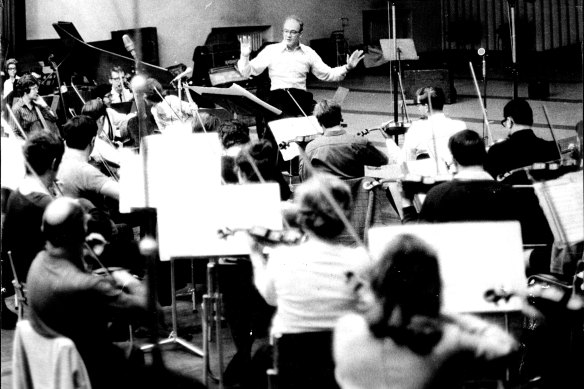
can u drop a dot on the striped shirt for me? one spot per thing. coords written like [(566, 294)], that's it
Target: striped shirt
[(29, 120)]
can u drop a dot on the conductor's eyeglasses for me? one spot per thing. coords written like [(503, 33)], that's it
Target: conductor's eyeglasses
[(291, 32)]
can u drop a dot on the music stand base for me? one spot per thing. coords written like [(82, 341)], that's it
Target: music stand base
[(173, 339)]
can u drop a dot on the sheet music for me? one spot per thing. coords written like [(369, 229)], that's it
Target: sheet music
[(12, 162), (188, 223), (473, 258), (285, 130), (562, 201), (234, 90)]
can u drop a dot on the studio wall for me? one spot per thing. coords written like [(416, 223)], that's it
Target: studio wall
[(184, 24)]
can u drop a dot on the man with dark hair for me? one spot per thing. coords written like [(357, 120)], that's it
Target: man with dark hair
[(263, 156), (473, 195), (288, 63), (522, 147), (337, 152), (429, 138), (10, 69), (233, 134), (31, 111), (77, 177), (119, 92), (25, 206)]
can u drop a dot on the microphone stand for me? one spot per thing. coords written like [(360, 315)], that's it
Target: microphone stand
[(56, 68), (514, 70)]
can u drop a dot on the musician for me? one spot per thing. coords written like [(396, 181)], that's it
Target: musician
[(429, 138), (288, 63), (402, 339), (113, 123), (263, 156), (31, 110), (144, 123), (522, 147), (473, 195), (307, 282), (337, 152), (25, 205), (66, 300), (119, 93), (10, 69), (76, 176)]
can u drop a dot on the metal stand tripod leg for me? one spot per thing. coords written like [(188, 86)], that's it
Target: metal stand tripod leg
[(212, 311), (173, 337)]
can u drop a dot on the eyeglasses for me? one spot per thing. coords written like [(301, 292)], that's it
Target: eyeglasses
[(291, 32), (504, 121), (11, 68)]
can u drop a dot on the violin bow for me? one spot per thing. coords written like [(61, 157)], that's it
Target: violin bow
[(549, 123), (485, 118)]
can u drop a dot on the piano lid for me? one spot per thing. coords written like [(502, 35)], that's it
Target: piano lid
[(95, 62)]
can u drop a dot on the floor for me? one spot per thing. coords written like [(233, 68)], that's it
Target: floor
[(369, 104)]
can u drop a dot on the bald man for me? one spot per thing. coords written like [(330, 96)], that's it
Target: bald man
[(66, 299)]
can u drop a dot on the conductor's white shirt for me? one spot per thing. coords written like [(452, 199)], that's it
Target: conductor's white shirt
[(288, 68)]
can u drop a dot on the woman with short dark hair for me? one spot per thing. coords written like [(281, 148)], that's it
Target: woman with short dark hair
[(403, 340)]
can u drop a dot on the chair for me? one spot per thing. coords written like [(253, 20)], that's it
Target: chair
[(303, 360), (373, 205), (42, 362)]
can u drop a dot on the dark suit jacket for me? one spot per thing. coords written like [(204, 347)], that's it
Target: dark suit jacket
[(521, 149)]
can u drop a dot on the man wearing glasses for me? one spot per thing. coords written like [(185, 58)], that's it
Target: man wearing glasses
[(119, 92), (31, 111), (521, 148), (288, 63), (12, 77)]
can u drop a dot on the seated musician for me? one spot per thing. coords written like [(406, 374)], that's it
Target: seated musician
[(65, 299), (522, 147), (76, 176), (110, 122), (233, 135), (31, 110), (473, 195), (429, 138), (21, 232), (144, 124), (307, 282), (402, 339), (262, 155), (120, 91), (337, 152)]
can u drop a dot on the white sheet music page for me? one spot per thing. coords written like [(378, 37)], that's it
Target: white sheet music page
[(286, 130), (562, 201), (473, 257)]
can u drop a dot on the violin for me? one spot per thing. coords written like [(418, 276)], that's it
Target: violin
[(266, 236), (302, 141), (543, 171), (388, 129)]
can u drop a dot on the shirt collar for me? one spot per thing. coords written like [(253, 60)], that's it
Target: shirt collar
[(334, 131), (284, 47), (473, 174)]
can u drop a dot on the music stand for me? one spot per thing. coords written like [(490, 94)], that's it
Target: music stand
[(236, 100)]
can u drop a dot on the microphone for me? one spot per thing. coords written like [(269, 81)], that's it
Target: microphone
[(183, 74), (129, 44), (482, 53)]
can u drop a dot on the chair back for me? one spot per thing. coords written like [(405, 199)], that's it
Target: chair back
[(373, 205), (43, 362), (303, 361)]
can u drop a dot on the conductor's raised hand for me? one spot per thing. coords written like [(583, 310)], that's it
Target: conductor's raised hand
[(354, 59), (245, 45)]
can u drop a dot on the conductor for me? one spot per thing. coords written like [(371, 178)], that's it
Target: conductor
[(288, 63)]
